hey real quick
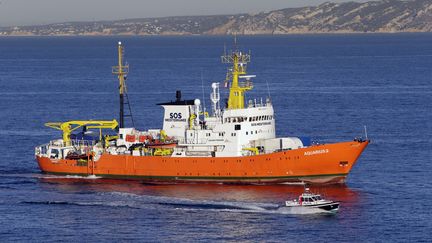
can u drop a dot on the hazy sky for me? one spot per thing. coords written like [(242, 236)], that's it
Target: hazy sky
[(28, 12)]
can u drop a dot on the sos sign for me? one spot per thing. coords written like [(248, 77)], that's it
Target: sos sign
[(175, 115)]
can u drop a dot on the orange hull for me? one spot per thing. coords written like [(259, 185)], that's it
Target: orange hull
[(321, 164)]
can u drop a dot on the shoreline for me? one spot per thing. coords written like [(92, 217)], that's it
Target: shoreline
[(222, 35)]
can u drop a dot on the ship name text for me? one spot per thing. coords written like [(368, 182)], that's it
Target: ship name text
[(261, 123), (321, 151)]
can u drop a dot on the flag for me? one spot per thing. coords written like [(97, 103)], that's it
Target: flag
[(226, 84)]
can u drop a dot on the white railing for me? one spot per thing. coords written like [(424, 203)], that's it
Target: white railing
[(193, 141), (78, 145)]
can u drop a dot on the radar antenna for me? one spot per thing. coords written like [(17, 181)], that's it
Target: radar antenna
[(239, 61)]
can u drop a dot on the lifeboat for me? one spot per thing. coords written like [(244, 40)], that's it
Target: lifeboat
[(161, 144)]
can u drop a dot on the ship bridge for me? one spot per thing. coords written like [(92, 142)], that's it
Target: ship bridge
[(225, 132), (242, 128)]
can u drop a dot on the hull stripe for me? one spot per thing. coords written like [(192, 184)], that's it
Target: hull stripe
[(215, 178)]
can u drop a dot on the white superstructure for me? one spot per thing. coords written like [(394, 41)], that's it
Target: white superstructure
[(239, 129)]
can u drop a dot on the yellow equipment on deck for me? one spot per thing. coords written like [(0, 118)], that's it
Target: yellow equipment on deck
[(239, 62), (253, 150), (162, 152), (70, 126)]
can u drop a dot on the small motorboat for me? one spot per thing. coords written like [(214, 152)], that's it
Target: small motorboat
[(312, 202)]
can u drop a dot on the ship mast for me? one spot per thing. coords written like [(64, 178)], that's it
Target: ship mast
[(238, 88), (121, 71)]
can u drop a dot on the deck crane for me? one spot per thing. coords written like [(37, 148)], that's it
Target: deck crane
[(70, 126)]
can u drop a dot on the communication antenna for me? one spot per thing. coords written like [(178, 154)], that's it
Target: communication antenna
[(203, 99), (268, 90), (235, 41), (238, 88), (122, 71), (365, 131)]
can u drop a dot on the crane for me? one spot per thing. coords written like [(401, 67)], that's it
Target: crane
[(70, 126)]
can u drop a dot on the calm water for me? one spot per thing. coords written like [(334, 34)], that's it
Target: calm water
[(324, 87)]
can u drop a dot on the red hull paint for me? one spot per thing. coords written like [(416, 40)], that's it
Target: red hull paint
[(328, 163)]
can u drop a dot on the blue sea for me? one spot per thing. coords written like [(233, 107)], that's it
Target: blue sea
[(327, 87)]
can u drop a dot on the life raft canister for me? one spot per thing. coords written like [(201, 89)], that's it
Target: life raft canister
[(130, 138)]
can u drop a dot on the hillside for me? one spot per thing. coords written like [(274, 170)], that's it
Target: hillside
[(349, 17)]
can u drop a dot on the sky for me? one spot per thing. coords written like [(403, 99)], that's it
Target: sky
[(34, 12)]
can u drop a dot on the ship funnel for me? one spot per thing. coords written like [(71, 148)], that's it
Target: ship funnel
[(178, 95)]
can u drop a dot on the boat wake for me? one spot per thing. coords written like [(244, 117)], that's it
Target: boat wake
[(302, 211), (147, 202), (250, 208), (136, 201), (209, 205), (86, 204), (90, 177)]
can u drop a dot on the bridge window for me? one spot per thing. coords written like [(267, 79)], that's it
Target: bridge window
[(54, 154)]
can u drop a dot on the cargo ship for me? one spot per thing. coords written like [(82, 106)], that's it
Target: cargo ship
[(233, 144)]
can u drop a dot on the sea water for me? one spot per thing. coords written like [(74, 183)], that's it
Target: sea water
[(326, 87)]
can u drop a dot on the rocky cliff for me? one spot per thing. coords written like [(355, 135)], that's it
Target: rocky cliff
[(348, 17)]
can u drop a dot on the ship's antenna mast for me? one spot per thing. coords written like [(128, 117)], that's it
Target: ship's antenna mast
[(365, 131), (121, 71), (202, 88), (268, 90), (238, 88)]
